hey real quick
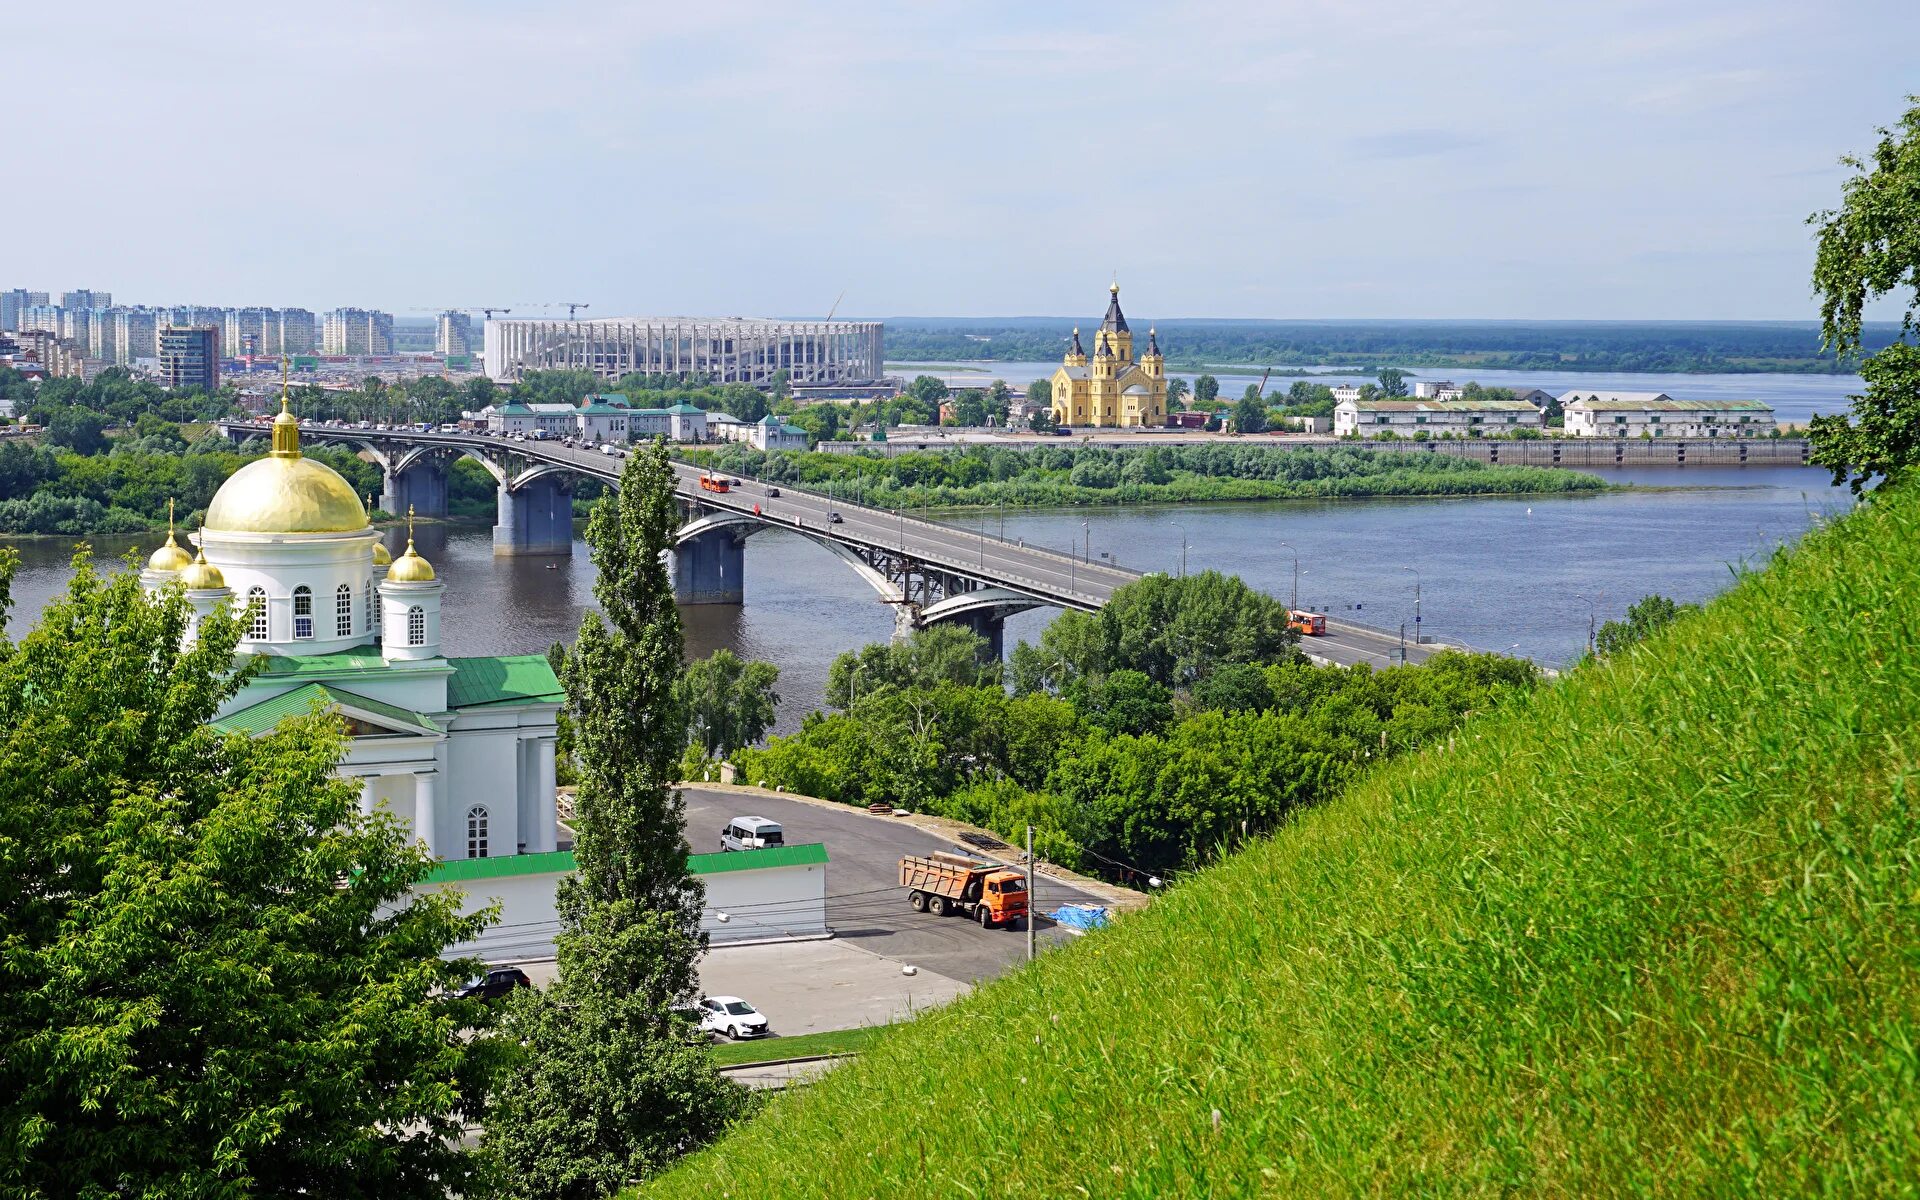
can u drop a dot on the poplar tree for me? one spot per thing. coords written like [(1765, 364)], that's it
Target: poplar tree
[(213, 979), (611, 1085)]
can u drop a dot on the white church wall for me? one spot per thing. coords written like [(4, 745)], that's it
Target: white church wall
[(483, 767)]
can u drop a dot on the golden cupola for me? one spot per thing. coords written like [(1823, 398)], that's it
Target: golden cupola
[(410, 567), (285, 492), (169, 558), (203, 576), (382, 557)]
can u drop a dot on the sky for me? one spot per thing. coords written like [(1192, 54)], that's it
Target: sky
[(1277, 159)]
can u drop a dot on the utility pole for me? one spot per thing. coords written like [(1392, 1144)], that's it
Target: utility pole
[(1295, 601), (1416, 613), (1403, 643), (1032, 912)]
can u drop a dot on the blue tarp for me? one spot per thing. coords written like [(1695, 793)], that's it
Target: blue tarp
[(1080, 916)]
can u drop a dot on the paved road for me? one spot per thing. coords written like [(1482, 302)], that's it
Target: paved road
[(865, 905)]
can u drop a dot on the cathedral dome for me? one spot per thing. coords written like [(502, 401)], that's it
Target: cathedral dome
[(410, 568), (382, 557), (285, 493), (203, 576)]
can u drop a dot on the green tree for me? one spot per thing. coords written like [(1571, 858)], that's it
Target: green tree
[(1870, 247), (970, 409), (1040, 392), (730, 701), (1176, 631), (219, 981), (609, 1087), (1206, 389), (1123, 702), (1250, 412), (999, 399), (928, 391), (1176, 392), (1646, 617), (1393, 382), (78, 430), (1042, 421), (932, 656)]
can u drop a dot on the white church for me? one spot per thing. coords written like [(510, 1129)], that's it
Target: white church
[(461, 749)]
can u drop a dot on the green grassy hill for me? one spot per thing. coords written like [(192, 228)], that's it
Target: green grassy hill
[(1649, 931)]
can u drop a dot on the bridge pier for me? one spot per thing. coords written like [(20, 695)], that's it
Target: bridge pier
[(422, 485), (988, 623), (536, 518), (710, 569)]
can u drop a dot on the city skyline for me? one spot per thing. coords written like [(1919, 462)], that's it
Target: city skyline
[(1286, 161)]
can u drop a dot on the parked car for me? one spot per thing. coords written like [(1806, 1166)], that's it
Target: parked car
[(751, 833), (732, 1016), (497, 984)]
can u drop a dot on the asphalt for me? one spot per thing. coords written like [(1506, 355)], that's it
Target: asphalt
[(866, 906)]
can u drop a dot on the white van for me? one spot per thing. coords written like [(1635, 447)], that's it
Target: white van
[(751, 833)]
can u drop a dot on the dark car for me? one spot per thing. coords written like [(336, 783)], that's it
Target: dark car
[(773, 492), (496, 984), (834, 518)]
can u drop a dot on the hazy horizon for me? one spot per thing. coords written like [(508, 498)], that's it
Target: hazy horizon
[(1228, 161)]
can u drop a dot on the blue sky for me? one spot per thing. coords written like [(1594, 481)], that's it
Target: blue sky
[(1483, 158)]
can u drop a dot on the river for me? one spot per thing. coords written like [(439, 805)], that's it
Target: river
[(1794, 398), (1500, 573)]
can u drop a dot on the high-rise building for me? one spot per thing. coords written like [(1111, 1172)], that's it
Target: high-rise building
[(86, 298), (38, 298), (100, 336), (294, 335), (190, 357), (41, 316), (76, 325), (246, 334), (356, 331), (133, 335), (13, 306), (455, 334)]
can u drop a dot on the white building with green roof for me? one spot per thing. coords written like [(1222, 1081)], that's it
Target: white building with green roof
[(1658, 415), (459, 749)]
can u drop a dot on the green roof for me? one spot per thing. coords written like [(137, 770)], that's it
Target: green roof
[(341, 664), (513, 410), (466, 869), (684, 409), (258, 718), (509, 679)]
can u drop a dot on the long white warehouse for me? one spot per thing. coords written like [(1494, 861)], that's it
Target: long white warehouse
[(722, 350)]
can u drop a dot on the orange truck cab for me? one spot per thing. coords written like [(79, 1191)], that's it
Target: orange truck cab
[(1310, 623), (943, 883)]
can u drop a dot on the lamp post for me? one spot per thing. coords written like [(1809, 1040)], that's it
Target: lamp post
[(853, 684), (1295, 601), (1593, 611), (1416, 611), (1183, 547), (1086, 553)]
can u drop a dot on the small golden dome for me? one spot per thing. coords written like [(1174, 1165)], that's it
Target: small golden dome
[(170, 557), (382, 556), (410, 568), (203, 576)]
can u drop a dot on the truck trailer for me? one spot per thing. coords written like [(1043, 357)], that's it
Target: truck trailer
[(943, 883)]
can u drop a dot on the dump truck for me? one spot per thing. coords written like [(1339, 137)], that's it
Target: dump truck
[(942, 883)]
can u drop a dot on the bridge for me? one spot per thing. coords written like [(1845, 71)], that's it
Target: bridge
[(928, 571)]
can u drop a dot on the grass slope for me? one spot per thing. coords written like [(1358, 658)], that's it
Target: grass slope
[(1649, 931)]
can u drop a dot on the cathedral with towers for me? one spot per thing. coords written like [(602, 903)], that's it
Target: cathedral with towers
[(1110, 390)]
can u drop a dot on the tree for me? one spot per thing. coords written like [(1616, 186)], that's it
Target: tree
[(970, 409), (1042, 421), (1868, 248), (730, 701), (1206, 389), (609, 1086), (1040, 392), (219, 979), (931, 656), (1176, 631), (1250, 413), (1393, 382), (928, 391), (1646, 617), (1123, 702), (78, 430), (999, 400), (1176, 391)]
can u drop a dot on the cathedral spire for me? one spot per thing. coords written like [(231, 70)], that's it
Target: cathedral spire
[(1116, 321), (286, 427)]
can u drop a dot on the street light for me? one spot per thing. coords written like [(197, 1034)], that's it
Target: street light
[(1593, 609), (1295, 602), (1183, 547), (1416, 616), (1086, 554), (853, 684)]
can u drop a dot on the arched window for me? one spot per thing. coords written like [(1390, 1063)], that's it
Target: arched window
[(303, 611), (257, 614), (343, 611), (477, 832), (416, 626)]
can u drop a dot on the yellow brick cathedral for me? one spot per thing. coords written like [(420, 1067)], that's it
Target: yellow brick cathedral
[(1111, 390)]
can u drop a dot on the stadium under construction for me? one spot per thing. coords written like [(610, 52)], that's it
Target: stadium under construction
[(720, 350)]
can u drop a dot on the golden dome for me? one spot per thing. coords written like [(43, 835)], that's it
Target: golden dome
[(203, 576), (382, 556), (285, 495), (170, 557), (410, 568)]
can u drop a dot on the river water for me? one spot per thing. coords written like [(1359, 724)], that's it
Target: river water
[(1520, 574), (1794, 398)]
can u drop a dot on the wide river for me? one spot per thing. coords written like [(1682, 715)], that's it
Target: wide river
[(1523, 575), (1794, 398)]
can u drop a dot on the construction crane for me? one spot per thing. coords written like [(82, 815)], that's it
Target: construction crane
[(573, 307), (491, 311), (836, 304)]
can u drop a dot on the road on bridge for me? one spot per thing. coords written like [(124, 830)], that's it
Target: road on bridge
[(1047, 575)]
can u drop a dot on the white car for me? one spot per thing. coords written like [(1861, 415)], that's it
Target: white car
[(732, 1016)]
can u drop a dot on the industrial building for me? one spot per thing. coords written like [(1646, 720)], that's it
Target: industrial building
[(190, 357), (719, 350)]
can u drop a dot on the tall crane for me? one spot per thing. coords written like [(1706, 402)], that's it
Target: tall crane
[(836, 304), (573, 307)]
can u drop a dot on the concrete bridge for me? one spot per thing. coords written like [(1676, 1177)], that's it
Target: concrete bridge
[(928, 571)]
